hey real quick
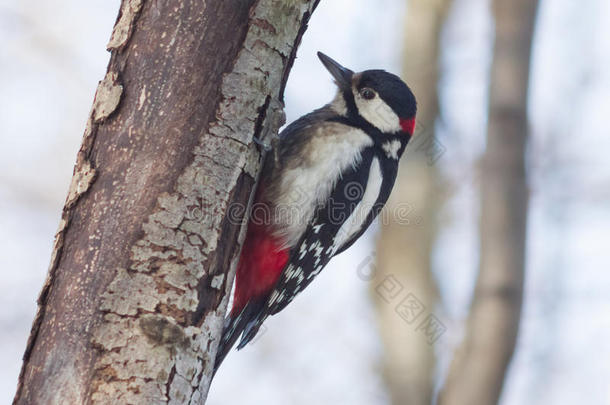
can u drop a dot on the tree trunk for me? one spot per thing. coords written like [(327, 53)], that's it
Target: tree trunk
[(405, 245), (132, 308), (478, 370)]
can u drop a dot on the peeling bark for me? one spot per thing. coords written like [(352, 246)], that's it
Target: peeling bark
[(144, 258)]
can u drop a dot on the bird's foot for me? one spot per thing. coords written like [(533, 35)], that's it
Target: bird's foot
[(267, 147)]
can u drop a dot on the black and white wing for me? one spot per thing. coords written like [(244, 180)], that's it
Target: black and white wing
[(389, 177)]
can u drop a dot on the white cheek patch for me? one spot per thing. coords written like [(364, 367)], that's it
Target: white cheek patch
[(377, 113)]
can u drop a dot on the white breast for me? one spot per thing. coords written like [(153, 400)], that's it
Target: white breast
[(308, 186), (354, 222)]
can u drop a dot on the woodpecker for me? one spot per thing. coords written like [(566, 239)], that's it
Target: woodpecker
[(332, 173)]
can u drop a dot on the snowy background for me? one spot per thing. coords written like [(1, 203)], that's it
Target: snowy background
[(324, 348)]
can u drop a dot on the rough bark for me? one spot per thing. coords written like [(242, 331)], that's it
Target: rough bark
[(151, 230), (477, 373), (404, 248)]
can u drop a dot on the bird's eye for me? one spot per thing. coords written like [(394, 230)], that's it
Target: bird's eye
[(367, 93)]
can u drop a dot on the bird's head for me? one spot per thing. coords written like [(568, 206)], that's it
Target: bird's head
[(380, 98)]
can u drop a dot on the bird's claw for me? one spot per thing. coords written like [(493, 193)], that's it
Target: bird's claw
[(266, 147)]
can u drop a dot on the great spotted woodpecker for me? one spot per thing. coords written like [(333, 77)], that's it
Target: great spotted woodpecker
[(332, 173)]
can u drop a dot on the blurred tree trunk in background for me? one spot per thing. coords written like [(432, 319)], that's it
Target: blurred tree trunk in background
[(478, 370), (132, 308), (409, 227)]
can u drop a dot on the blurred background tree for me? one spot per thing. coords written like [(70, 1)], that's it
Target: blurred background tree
[(405, 245), (478, 370)]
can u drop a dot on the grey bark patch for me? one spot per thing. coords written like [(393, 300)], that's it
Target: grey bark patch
[(217, 281)]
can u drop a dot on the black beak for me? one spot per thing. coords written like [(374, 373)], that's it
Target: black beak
[(343, 76)]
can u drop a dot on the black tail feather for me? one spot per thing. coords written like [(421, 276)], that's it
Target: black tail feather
[(250, 331), (233, 328)]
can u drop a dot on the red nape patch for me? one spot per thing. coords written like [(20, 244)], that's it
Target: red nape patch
[(408, 125), (260, 265)]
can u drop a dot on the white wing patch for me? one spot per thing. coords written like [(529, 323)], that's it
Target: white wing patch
[(355, 221), (391, 148), (302, 251)]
